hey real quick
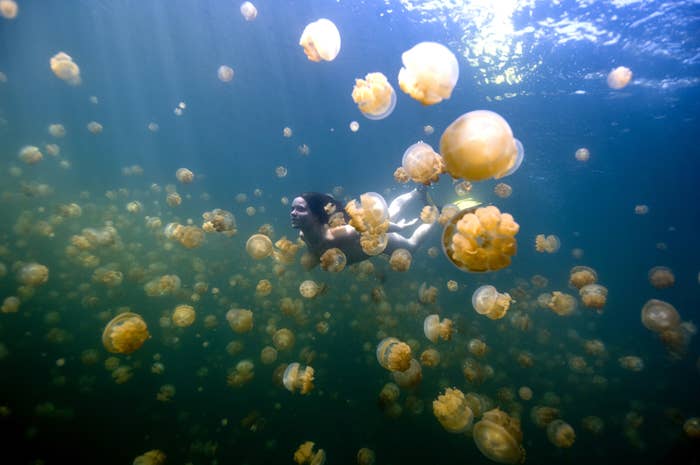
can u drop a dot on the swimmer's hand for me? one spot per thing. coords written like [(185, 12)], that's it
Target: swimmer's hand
[(403, 224)]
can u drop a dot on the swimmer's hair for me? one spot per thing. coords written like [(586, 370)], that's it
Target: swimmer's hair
[(317, 205)]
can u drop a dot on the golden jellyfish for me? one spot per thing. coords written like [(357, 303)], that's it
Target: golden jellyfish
[(300, 379), (173, 199), (248, 11), (631, 363), (582, 154), (33, 274), (333, 260), (477, 347), (561, 434), (452, 411), (320, 40), (549, 244), (30, 155), (525, 393), (562, 304), (499, 437), (183, 316), (481, 239), (430, 71), (305, 455), (268, 355), (263, 288), (94, 127), (240, 320), (486, 300), (283, 339), (691, 427), (184, 175), (393, 354), (435, 329), (480, 145), (365, 456), (8, 9), (503, 190), (220, 221), (452, 285), (310, 289), (125, 333), (593, 424), (152, 457), (580, 276), (660, 316), (594, 296), (370, 217), (661, 277), (258, 246), (400, 260), (57, 130), (241, 374), (10, 305), (374, 96), (641, 209), (410, 377), (422, 164), (354, 126), (430, 358), (65, 68), (619, 77)]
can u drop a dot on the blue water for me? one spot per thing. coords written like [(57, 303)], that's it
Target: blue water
[(140, 59)]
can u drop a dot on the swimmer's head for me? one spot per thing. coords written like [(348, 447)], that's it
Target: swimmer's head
[(310, 207)]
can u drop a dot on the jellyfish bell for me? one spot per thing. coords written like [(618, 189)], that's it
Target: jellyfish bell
[(430, 72), (374, 96), (258, 246), (518, 159), (125, 333), (499, 437), (619, 77), (422, 164), (320, 40), (659, 316)]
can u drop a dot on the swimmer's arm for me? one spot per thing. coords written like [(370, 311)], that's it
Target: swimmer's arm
[(401, 225)]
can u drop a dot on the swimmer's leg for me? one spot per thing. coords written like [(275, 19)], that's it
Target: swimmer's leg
[(398, 203), (397, 241)]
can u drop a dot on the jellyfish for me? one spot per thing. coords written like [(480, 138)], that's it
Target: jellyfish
[(389, 394), (525, 393), (429, 73), (410, 377), (486, 300), (33, 274), (549, 244), (393, 354), (452, 411), (10, 305), (503, 190), (30, 155), (374, 96), (619, 77), (561, 434), (283, 339), (365, 456), (355, 126), (268, 355), (125, 333), (184, 175), (8, 9), (248, 11), (258, 246), (240, 320), (435, 329), (183, 316), (691, 427), (370, 217), (242, 374), (65, 68), (309, 289), (94, 127), (305, 455), (579, 276), (582, 154), (659, 316), (333, 260), (219, 220), (594, 296), (661, 277), (299, 379), (477, 347), (152, 457), (631, 363), (499, 437), (320, 40), (593, 424), (422, 164), (430, 358), (481, 240), (400, 260), (480, 145), (562, 304)]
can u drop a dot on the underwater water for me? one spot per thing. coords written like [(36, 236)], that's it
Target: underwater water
[(99, 220)]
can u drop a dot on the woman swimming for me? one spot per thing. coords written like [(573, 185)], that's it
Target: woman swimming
[(310, 215)]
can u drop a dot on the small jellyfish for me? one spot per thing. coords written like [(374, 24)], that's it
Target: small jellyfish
[(374, 96), (561, 434), (366, 456), (8, 9), (184, 175), (183, 316), (582, 154), (57, 130), (422, 164), (125, 333), (400, 260), (562, 304), (480, 145), (281, 171), (660, 316), (661, 277), (30, 155), (305, 455), (333, 260), (525, 393), (287, 132), (549, 244), (299, 379), (320, 40), (310, 289), (503, 190), (393, 354), (452, 411), (410, 377), (435, 329), (631, 363), (641, 209), (224, 73), (152, 457), (580, 276), (499, 437), (33, 274), (354, 126), (248, 11), (430, 358), (240, 320), (94, 127), (486, 300), (283, 339), (65, 68), (259, 246), (691, 427), (429, 73), (619, 77), (594, 296)]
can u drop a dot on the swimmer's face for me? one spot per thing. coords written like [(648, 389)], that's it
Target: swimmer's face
[(300, 214)]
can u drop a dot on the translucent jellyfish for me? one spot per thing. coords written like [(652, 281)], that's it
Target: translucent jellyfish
[(241, 374), (393, 354), (400, 260), (549, 244), (499, 437), (268, 355), (248, 11), (183, 316), (33, 274), (486, 300), (422, 164), (287, 132), (152, 457), (263, 288), (562, 304), (300, 379), (370, 217), (593, 424), (320, 40), (477, 347), (480, 145), (410, 377), (691, 427), (8, 9), (65, 68), (283, 339), (366, 456), (259, 246), (561, 434), (503, 190), (619, 77), (641, 209), (480, 240), (94, 127), (220, 221), (594, 296), (430, 358), (631, 363), (125, 333), (184, 175), (452, 285), (30, 155), (310, 289), (240, 320), (224, 73), (452, 411), (429, 73), (661, 277), (374, 96), (389, 394), (10, 305), (305, 455), (280, 171), (580, 276), (525, 393), (354, 126), (435, 329), (582, 154), (659, 316), (57, 130), (333, 260)]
